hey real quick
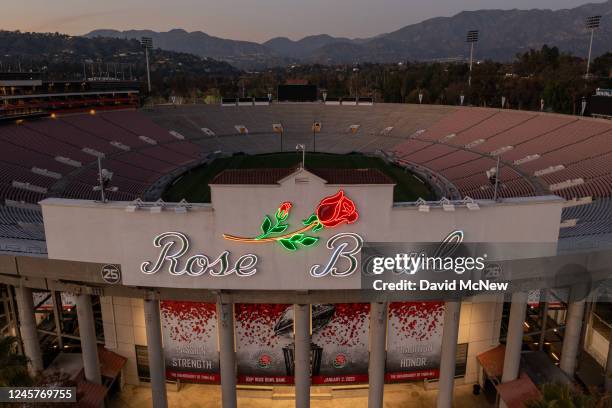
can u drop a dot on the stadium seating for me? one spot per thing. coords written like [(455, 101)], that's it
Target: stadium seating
[(539, 153)]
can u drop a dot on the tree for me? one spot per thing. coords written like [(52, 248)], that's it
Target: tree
[(555, 395), (13, 366)]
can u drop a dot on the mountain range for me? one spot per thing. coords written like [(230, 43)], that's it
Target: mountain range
[(503, 34)]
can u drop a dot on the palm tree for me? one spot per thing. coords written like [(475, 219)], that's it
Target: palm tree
[(13, 366)]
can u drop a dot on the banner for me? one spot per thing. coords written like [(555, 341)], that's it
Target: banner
[(414, 340), (189, 331), (340, 343), (264, 343)]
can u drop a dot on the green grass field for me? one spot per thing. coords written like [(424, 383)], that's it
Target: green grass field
[(193, 186)]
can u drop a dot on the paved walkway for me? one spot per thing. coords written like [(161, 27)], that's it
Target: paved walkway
[(208, 396)]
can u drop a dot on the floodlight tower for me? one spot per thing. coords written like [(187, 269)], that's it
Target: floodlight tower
[(471, 38), (147, 44), (592, 23)]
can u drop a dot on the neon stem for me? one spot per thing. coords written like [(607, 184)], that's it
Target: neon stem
[(255, 241)]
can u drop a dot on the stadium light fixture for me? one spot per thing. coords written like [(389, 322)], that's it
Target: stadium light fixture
[(471, 204), (158, 207), (592, 23), (447, 205), (147, 44), (182, 207), (278, 128), (104, 178), (316, 128), (472, 38), (422, 205), (424, 208), (134, 206), (493, 176)]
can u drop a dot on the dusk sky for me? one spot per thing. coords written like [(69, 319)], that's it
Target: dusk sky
[(252, 20)]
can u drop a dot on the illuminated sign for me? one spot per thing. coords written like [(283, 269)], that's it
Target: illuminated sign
[(175, 245), (331, 212)]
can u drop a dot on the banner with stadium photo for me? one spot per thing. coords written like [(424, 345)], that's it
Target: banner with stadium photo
[(264, 343), (189, 332), (414, 340), (340, 343)]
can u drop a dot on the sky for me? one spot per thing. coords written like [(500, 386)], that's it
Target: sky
[(251, 20)]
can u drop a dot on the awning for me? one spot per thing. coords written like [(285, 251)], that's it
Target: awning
[(111, 363), (516, 393), (492, 361), (90, 395)]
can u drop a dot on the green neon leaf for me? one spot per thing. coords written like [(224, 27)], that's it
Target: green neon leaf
[(288, 244), (266, 224), (297, 237), (310, 220), (317, 227), (309, 241), (279, 228)]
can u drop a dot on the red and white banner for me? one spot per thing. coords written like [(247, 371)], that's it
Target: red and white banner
[(414, 340), (340, 343), (189, 332), (264, 343)]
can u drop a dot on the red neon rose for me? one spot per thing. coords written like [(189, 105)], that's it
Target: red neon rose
[(336, 209), (283, 210)]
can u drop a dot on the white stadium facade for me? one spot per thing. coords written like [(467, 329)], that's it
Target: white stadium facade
[(261, 287)]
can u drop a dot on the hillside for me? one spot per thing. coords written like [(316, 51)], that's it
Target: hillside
[(64, 55), (504, 33)]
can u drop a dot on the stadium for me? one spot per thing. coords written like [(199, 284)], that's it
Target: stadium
[(212, 250)]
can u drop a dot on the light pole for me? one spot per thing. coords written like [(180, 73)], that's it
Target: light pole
[(147, 44), (316, 128), (471, 38), (592, 23), (493, 176), (278, 128), (303, 149), (104, 178)]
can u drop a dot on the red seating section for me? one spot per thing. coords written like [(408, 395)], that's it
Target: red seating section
[(38, 143), (465, 144)]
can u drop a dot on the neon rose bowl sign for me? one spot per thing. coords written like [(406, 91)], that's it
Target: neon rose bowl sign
[(331, 212)]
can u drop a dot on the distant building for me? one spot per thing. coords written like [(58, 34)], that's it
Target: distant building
[(27, 94)]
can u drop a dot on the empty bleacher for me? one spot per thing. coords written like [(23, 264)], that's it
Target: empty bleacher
[(58, 157), (539, 153)]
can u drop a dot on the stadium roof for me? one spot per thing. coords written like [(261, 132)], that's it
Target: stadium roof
[(274, 176)]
